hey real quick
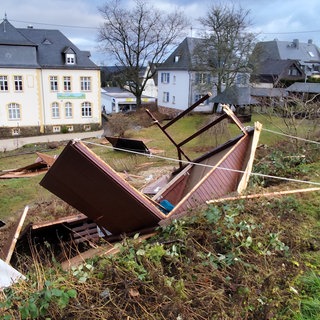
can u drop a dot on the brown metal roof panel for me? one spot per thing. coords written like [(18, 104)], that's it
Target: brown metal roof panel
[(90, 185), (206, 188)]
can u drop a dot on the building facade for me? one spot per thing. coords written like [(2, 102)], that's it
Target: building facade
[(182, 82), (47, 85)]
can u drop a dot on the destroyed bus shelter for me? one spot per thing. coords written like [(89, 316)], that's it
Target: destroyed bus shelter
[(86, 182)]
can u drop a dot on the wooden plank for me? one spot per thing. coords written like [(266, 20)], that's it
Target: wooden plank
[(100, 251), (260, 195), (69, 219), (85, 226), (230, 113), (16, 235), (245, 178)]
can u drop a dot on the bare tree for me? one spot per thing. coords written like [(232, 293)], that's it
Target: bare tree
[(139, 36), (228, 44)]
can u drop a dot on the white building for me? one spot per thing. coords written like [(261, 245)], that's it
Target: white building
[(180, 80), (115, 99), (46, 83)]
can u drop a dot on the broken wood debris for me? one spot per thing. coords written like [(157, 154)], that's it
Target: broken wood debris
[(90, 185), (261, 195), (108, 249), (42, 163), (8, 250)]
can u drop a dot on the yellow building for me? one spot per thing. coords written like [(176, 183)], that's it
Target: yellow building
[(47, 84)]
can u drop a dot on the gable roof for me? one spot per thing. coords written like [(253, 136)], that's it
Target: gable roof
[(276, 67), (237, 96), (304, 87), (283, 50), (185, 55), (268, 92), (9, 35), (50, 45)]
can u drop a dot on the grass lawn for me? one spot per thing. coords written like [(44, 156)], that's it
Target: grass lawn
[(249, 259), (16, 193)]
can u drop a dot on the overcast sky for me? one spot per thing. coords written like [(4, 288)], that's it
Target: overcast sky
[(79, 20)]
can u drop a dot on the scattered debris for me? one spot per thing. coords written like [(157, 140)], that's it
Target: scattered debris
[(91, 186), (128, 144), (108, 249), (8, 250), (109, 206), (42, 163), (9, 275)]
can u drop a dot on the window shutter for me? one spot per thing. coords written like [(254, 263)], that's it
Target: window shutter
[(197, 77)]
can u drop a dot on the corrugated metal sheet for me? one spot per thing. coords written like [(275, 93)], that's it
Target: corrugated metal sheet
[(90, 185), (205, 183)]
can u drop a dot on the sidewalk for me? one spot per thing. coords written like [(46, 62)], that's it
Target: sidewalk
[(18, 142)]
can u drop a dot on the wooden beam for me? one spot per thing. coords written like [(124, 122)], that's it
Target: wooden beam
[(230, 113), (259, 195), (245, 178), (16, 234), (183, 113), (107, 250)]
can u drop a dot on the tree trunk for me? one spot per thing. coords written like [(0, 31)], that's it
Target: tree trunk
[(138, 99)]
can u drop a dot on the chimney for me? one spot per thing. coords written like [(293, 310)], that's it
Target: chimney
[(310, 41), (296, 43)]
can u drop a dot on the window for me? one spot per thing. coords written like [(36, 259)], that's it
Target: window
[(199, 96), (68, 109), (242, 79), (54, 83), (85, 83), (3, 83), (86, 110), (165, 77), (15, 131), (165, 97), (292, 71), (56, 129), (67, 83), (70, 58), (202, 78), (55, 110), (14, 111), (18, 83), (176, 58)]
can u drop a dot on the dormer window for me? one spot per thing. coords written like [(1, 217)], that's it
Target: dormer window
[(70, 56)]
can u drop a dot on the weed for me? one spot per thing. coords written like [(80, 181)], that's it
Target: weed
[(37, 304), (310, 302)]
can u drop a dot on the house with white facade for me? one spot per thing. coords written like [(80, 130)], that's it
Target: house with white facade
[(47, 84), (182, 82)]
